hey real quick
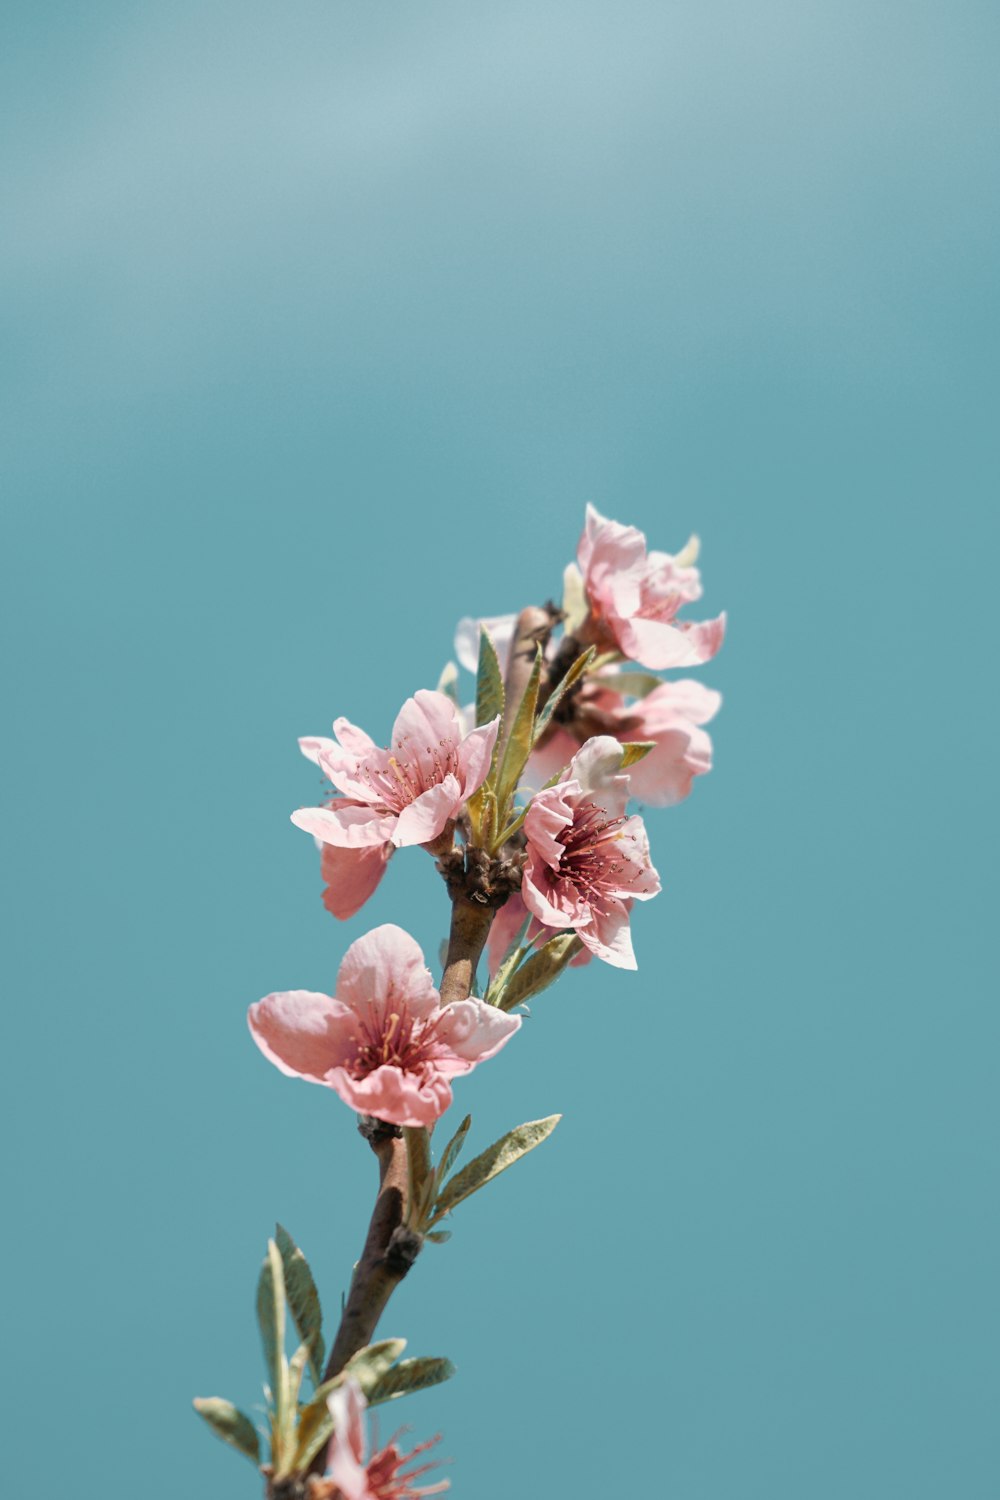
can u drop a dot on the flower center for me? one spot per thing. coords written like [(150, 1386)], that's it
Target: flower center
[(393, 1038), (397, 776), (591, 859)]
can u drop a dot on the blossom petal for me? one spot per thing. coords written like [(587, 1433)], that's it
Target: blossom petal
[(348, 825), (301, 1031), (426, 817), (345, 1462), (661, 644), (609, 936), (390, 1093), (352, 738), (314, 745), (384, 965), (352, 876), (475, 754), (597, 766), (474, 1030)]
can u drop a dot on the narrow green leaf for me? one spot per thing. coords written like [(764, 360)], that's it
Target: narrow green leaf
[(419, 1174), (230, 1424), (296, 1370), (315, 1427), (489, 681), (518, 746), (496, 1159), (370, 1364), (539, 971), (450, 1153), (303, 1298), (635, 750), (271, 1318), (410, 1375), (559, 692)]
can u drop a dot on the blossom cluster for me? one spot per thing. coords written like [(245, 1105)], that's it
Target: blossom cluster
[(382, 1041)]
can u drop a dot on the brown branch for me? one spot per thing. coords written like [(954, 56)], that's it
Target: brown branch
[(378, 1272)]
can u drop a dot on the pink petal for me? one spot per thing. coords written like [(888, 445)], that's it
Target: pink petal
[(347, 825), (551, 758), (597, 766), (660, 645), (549, 815), (386, 966), (352, 876), (389, 1093), (423, 722), (475, 754), (666, 774), (552, 904), (427, 816), (313, 746), (300, 1031), (474, 1031), (352, 738), (347, 1451), (633, 844), (610, 937)]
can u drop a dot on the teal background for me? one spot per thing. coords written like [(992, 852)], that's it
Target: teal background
[(321, 324)]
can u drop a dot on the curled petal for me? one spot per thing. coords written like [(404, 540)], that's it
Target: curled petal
[(427, 816), (475, 1031), (392, 1094)]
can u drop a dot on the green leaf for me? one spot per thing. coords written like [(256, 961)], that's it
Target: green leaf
[(367, 1367), (370, 1364), (315, 1427), (631, 684), (518, 746), (559, 692), (419, 1174), (230, 1424), (449, 1155), (635, 750), (489, 681), (303, 1298), (539, 971), (496, 1159), (271, 1317), (410, 1375)]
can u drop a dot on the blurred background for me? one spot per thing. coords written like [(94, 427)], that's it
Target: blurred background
[(321, 323)]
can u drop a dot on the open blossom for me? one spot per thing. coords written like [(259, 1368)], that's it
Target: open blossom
[(353, 1474), (383, 1041), (586, 860), (407, 794), (670, 717), (634, 596)]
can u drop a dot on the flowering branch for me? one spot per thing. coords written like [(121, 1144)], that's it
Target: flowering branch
[(523, 805)]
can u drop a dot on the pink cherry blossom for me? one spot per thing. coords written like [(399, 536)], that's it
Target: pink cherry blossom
[(407, 794), (586, 860), (383, 1042), (356, 1475), (670, 716), (506, 928), (634, 597)]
